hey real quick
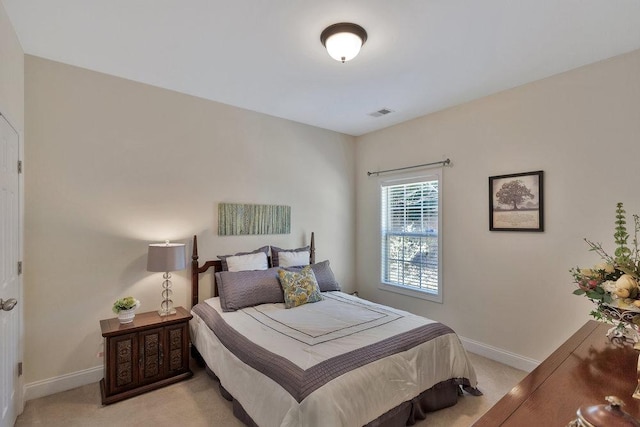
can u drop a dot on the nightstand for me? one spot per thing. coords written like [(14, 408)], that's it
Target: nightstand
[(146, 354)]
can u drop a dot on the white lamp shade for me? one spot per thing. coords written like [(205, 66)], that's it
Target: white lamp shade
[(343, 46), (166, 257)]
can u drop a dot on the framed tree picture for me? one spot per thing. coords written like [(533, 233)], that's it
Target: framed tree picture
[(516, 202)]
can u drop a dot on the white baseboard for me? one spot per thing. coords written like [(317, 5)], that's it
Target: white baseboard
[(62, 383), (499, 355), (77, 379)]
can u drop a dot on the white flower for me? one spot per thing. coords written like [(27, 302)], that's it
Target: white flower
[(606, 267), (586, 272), (626, 281), (609, 285)]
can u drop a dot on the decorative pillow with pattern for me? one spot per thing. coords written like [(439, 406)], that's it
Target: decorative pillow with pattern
[(299, 287), (324, 276)]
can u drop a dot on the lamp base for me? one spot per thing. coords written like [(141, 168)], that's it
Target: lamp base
[(168, 312)]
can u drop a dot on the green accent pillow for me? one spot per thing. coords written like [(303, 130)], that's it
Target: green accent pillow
[(299, 287)]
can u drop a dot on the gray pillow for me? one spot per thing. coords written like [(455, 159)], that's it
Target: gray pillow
[(275, 261), (239, 289), (223, 258), (324, 276)]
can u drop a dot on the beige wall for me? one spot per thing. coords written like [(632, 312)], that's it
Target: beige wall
[(115, 165), (512, 290), (11, 73)]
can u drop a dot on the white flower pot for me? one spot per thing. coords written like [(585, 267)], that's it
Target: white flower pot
[(126, 316)]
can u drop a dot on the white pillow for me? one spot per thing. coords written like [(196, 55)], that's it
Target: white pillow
[(293, 259), (257, 261)]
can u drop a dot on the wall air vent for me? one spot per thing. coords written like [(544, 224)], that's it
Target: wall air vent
[(381, 112)]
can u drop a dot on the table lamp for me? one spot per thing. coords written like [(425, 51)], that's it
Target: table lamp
[(166, 257)]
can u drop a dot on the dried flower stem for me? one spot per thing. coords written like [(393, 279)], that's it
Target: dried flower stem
[(597, 248)]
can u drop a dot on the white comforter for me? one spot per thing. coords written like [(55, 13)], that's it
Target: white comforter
[(312, 333)]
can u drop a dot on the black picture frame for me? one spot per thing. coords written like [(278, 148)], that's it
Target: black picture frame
[(525, 191)]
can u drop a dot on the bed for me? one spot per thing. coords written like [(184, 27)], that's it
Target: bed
[(338, 360)]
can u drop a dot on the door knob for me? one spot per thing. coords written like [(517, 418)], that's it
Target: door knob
[(8, 304)]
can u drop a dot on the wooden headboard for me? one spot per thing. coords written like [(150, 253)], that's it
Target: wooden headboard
[(196, 269)]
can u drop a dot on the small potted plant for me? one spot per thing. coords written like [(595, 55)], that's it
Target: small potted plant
[(126, 308)]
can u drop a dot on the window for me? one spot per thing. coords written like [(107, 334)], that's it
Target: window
[(410, 237)]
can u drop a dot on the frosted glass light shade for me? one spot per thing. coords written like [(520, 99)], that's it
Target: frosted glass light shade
[(343, 46), (344, 40)]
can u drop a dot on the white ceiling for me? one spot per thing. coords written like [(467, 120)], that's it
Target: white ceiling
[(421, 55)]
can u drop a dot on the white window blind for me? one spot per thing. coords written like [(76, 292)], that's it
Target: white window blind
[(410, 238)]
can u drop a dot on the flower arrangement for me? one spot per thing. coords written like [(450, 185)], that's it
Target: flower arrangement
[(126, 303), (613, 283)]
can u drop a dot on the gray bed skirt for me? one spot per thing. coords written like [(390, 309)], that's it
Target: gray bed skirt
[(441, 395)]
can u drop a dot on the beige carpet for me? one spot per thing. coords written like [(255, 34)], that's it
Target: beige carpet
[(197, 402)]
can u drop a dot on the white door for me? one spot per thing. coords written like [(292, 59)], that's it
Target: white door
[(9, 276)]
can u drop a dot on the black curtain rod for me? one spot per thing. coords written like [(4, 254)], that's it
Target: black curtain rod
[(441, 162)]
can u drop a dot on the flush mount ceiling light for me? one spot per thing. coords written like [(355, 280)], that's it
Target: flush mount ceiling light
[(344, 40)]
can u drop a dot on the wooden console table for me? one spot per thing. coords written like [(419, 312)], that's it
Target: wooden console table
[(585, 369)]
